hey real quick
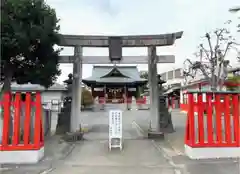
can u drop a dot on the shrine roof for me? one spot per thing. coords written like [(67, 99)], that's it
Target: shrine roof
[(129, 74)]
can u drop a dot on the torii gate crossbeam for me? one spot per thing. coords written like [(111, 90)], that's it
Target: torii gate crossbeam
[(125, 59)]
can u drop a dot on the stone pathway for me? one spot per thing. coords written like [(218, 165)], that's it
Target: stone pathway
[(55, 150), (138, 156)]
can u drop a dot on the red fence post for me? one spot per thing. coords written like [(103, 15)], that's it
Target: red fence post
[(6, 118), (200, 111), (41, 121), (37, 125), (191, 119), (16, 125), (236, 119), (27, 121), (218, 118), (227, 119), (209, 106)]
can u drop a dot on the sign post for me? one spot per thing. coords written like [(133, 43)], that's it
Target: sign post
[(115, 129)]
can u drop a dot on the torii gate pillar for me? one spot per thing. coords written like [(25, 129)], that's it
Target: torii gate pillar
[(76, 89), (153, 84)]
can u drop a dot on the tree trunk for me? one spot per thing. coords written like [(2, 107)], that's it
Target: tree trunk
[(7, 88), (7, 80)]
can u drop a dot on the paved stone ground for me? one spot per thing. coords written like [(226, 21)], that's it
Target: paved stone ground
[(54, 150), (138, 156), (175, 149)]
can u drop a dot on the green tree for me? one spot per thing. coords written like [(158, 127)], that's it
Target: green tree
[(144, 74), (233, 83), (29, 32), (87, 98)]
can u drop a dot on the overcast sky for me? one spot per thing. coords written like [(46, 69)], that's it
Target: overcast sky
[(126, 17)]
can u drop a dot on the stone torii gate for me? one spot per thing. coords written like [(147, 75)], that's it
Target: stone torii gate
[(115, 44)]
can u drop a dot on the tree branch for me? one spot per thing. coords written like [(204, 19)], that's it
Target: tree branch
[(216, 71), (221, 62), (209, 44), (205, 51)]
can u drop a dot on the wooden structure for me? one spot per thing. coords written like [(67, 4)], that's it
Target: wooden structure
[(213, 129), (19, 142), (115, 83)]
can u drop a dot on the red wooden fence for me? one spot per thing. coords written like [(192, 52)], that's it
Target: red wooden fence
[(216, 122), (21, 137)]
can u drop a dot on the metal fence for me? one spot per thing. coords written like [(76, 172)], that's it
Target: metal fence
[(52, 109)]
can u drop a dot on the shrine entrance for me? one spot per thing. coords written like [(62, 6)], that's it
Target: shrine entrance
[(115, 93), (115, 45), (115, 83)]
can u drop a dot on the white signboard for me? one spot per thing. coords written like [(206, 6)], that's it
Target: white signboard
[(98, 89), (131, 89), (115, 129)]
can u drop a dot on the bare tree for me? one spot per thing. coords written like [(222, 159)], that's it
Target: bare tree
[(211, 55)]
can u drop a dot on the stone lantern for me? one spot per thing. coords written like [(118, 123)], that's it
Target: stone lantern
[(63, 125), (165, 117)]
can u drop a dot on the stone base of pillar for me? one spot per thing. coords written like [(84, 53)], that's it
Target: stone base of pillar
[(155, 135), (73, 137)]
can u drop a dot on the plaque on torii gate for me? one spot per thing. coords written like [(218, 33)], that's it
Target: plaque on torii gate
[(115, 49), (115, 44)]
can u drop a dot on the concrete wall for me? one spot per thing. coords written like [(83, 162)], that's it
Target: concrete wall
[(52, 99)]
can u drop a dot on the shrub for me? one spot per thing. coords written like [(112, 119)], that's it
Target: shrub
[(87, 98), (233, 83)]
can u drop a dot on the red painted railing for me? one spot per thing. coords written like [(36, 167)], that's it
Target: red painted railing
[(216, 122), (101, 100), (128, 100), (21, 138), (141, 101), (184, 107), (173, 103)]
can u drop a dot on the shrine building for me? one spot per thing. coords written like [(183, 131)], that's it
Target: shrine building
[(115, 83)]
